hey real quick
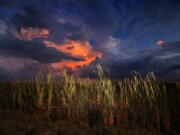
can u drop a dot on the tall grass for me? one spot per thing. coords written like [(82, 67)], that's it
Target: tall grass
[(138, 101)]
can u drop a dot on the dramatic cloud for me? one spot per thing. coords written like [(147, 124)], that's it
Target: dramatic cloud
[(77, 49), (122, 35), (163, 61), (33, 50)]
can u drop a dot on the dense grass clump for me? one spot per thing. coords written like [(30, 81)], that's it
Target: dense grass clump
[(137, 102)]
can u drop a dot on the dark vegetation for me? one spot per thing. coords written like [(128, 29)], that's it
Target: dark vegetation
[(139, 105)]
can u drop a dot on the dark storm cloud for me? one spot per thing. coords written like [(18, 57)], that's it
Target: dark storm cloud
[(163, 61), (96, 19), (62, 31), (160, 60), (29, 18), (33, 50), (120, 29), (32, 16), (167, 50)]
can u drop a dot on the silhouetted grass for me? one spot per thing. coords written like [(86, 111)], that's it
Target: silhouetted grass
[(138, 102)]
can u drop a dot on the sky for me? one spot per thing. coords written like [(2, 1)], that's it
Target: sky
[(123, 36)]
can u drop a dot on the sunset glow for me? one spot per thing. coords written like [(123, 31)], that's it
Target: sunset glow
[(77, 49)]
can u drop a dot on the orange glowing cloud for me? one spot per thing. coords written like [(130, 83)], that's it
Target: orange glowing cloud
[(32, 33), (77, 49)]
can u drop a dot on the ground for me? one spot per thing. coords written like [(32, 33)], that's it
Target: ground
[(18, 123)]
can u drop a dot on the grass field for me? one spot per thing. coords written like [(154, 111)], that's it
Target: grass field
[(135, 105)]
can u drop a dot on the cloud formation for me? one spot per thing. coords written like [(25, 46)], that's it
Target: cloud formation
[(163, 61), (128, 35), (33, 50), (82, 50)]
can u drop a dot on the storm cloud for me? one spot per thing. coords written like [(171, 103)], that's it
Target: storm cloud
[(163, 61), (126, 33), (33, 50)]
